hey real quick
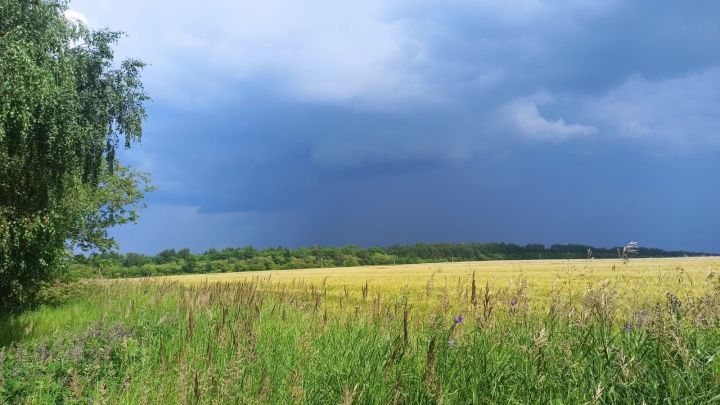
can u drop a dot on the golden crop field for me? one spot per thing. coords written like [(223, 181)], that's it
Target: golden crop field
[(638, 282)]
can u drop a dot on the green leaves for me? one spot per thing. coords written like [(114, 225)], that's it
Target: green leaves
[(65, 107), (115, 201)]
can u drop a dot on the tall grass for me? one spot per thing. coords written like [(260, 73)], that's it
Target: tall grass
[(260, 341)]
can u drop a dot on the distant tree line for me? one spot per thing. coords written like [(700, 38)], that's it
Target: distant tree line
[(182, 261)]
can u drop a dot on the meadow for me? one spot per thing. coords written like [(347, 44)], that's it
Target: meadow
[(540, 331)]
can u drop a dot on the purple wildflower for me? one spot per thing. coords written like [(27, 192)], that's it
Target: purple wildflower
[(513, 302), (460, 319)]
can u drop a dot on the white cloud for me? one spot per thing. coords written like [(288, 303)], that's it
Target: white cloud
[(373, 53), (74, 15), (523, 116), (400, 55), (316, 50), (680, 114)]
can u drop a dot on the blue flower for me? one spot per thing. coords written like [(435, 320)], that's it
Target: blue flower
[(460, 319)]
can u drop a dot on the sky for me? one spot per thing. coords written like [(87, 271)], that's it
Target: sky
[(291, 123)]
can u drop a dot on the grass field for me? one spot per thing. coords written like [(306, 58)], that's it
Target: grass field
[(484, 332)]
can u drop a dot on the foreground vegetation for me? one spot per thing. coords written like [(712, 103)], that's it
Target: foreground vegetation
[(318, 339)]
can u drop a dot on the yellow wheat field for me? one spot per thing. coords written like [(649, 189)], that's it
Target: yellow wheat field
[(640, 282)]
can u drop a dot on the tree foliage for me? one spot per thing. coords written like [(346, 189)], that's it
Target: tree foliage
[(170, 261), (65, 109)]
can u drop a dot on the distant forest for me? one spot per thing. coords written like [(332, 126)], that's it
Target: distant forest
[(182, 261)]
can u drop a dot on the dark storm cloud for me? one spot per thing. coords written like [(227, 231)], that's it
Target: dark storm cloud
[(570, 46), (524, 121)]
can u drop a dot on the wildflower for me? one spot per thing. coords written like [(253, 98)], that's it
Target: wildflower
[(452, 343), (513, 302), (460, 319), (628, 327)]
